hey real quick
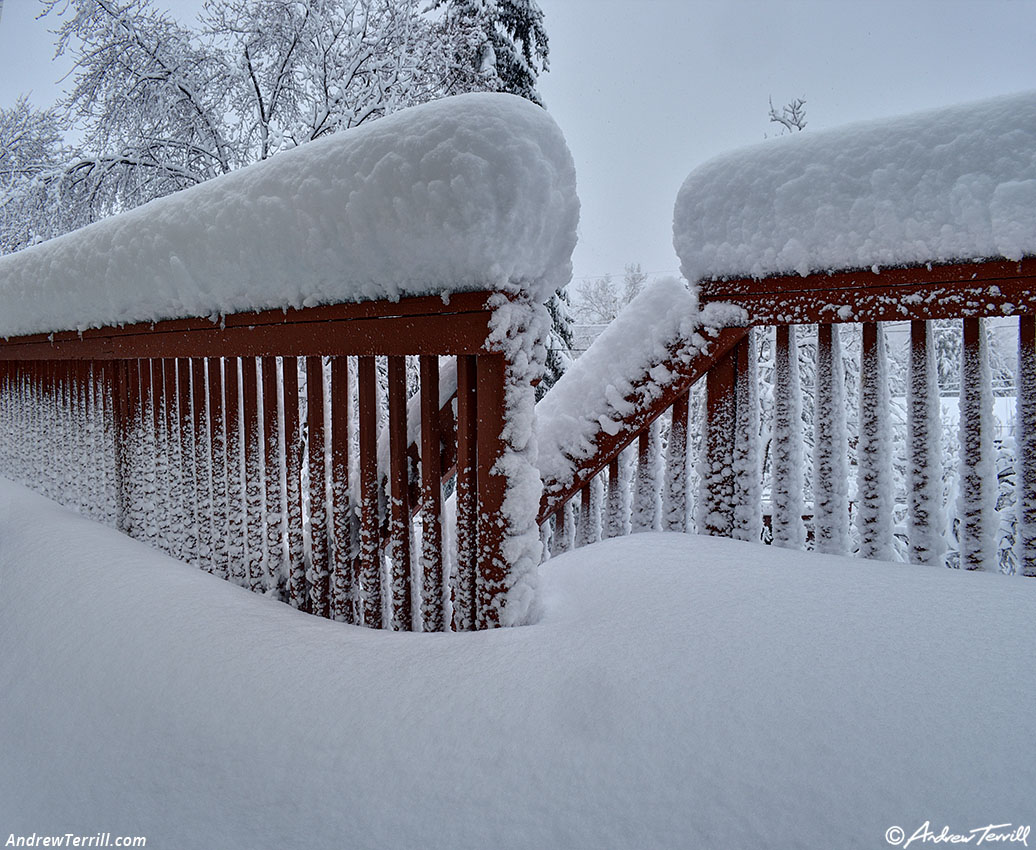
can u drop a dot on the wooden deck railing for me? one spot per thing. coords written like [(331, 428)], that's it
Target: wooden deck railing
[(194, 436), (730, 497)]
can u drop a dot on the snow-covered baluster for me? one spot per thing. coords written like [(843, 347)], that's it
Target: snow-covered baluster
[(237, 548), (370, 522), (202, 462), (924, 468), (748, 485), (298, 589), (467, 495), (1025, 446), (674, 492), (273, 555), (105, 408), (874, 488), (163, 494), (830, 447), (120, 391), (788, 529), (716, 468), (149, 438), (647, 503), (434, 588), (318, 572), (185, 431), (218, 466), (255, 533), (342, 595), (976, 501), (399, 498), (616, 522), (174, 493), (589, 530)]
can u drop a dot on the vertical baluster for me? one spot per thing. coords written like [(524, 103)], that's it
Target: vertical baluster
[(369, 557), (1025, 441), (616, 522), (924, 432), (435, 589), (298, 589), (237, 509), (254, 528), (343, 597), (874, 516), (176, 507), (319, 590), (787, 485), (122, 452), (467, 494), (647, 506), (977, 498), (272, 469), (830, 447), (399, 508), (202, 462), (716, 468), (149, 421), (674, 495), (185, 432), (218, 463)]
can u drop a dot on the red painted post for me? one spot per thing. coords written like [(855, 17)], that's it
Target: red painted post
[(434, 588), (976, 481), (236, 505), (674, 507), (343, 598), (120, 391), (467, 493), (298, 588), (491, 583), (186, 435), (369, 561), (319, 577)]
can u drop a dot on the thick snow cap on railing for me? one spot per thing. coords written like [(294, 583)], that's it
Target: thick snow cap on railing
[(945, 185), (467, 193)]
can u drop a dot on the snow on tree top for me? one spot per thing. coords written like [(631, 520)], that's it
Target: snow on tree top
[(467, 193), (938, 186)]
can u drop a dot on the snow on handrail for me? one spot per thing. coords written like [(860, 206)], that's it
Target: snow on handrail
[(938, 186), (474, 192)]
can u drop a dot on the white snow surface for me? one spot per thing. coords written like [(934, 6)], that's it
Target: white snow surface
[(678, 691), (949, 184), (473, 192)]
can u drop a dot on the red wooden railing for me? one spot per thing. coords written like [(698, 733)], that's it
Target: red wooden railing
[(193, 436), (729, 500)]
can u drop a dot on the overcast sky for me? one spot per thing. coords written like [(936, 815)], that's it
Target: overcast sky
[(645, 90)]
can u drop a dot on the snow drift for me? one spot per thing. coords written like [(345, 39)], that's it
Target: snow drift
[(679, 691), (470, 192), (944, 185)]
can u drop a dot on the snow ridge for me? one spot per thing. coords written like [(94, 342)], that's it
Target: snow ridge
[(474, 192), (942, 185)]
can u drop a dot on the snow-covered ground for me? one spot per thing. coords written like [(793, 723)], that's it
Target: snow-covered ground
[(678, 692)]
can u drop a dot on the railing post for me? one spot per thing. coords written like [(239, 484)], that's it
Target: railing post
[(716, 469), (254, 536), (1025, 440), (273, 469), (236, 502), (874, 515), (218, 457), (491, 577), (674, 494), (748, 484)]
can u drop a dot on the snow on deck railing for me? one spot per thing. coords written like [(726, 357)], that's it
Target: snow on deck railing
[(937, 186), (475, 192), (208, 372)]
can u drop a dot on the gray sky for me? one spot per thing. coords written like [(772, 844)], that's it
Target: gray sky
[(645, 90)]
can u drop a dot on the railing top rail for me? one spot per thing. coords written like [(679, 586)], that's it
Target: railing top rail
[(421, 325)]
